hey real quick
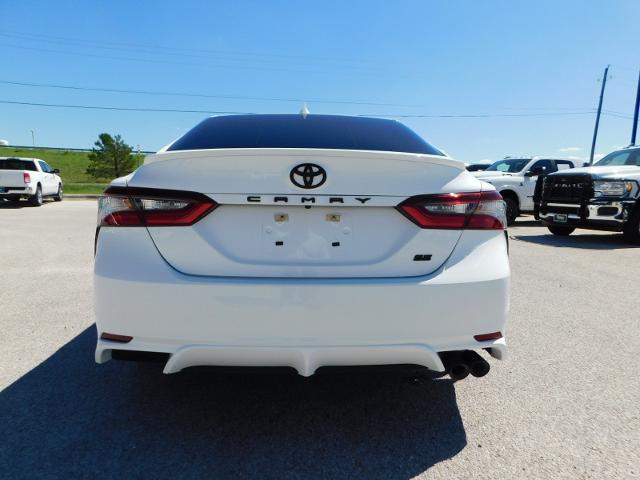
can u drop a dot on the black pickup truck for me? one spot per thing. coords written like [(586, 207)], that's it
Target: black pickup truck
[(605, 196)]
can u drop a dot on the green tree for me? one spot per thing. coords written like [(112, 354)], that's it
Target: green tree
[(111, 158)]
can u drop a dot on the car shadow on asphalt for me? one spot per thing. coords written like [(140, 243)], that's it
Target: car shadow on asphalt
[(613, 241), (4, 205), (12, 205), (69, 417), (528, 223)]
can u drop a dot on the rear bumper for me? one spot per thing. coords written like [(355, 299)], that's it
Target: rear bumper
[(300, 323), (305, 360), (15, 191)]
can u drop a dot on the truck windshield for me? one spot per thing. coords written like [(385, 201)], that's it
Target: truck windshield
[(511, 165), (17, 164), (628, 157)]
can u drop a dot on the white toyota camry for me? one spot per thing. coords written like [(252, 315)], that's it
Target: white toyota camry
[(302, 241)]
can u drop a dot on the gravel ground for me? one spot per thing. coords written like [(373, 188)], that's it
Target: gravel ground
[(565, 404)]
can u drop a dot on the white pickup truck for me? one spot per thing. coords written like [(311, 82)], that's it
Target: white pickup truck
[(515, 179), (28, 178)]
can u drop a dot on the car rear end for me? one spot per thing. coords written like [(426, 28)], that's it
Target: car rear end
[(16, 178), (301, 257)]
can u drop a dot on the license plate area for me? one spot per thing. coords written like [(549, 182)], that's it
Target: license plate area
[(313, 233), (560, 218)]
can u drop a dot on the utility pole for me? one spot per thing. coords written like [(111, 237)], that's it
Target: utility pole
[(634, 128), (33, 139), (595, 130)]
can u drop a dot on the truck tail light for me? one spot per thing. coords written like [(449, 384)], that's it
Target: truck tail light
[(133, 207), (26, 178), (456, 211)]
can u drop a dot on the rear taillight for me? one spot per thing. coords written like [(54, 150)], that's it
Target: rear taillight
[(457, 211), (128, 207), (26, 178)]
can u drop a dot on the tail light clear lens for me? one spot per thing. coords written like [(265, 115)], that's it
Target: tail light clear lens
[(121, 206), (26, 178), (457, 211)]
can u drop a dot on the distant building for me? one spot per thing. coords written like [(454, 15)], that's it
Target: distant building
[(4, 143)]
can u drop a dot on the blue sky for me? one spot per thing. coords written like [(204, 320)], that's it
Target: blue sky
[(416, 57)]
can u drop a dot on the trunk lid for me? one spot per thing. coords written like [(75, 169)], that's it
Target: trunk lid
[(266, 226)]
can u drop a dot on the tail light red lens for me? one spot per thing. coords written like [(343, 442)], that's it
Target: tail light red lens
[(488, 336), (127, 207), (457, 211), (116, 338), (26, 178)]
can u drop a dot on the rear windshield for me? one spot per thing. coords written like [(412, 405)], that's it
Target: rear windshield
[(511, 166), (17, 164), (295, 131)]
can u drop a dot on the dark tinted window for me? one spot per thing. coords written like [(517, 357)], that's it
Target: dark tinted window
[(295, 131), (17, 164), (477, 167), (548, 166)]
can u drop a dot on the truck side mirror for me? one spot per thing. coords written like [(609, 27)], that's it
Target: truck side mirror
[(534, 172)]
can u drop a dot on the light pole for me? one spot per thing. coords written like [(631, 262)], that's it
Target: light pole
[(33, 139), (595, 130), (634, 128)]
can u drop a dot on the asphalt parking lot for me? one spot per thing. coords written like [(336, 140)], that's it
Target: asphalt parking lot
[(565, 404)]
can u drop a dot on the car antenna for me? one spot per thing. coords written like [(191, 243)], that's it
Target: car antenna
[(304, 111)]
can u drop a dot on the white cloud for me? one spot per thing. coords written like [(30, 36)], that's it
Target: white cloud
[(570, 149)]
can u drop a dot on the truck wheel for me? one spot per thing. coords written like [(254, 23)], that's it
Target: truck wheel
[(632, 228), (36, 199), (512, 210), (564, 231), (58, 196)]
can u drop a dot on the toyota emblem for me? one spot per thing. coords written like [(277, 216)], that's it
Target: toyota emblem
[(308, 175)]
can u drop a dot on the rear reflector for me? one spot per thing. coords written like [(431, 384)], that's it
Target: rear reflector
[(456, 211), (488, 336), (26, 178), (128, 207), (115, 338)]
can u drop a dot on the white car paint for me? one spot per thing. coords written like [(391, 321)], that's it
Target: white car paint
[(221, 292)]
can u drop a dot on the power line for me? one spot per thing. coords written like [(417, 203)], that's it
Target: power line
[(203, 95), (124, 109), (613, 113), (168, 62), (254, 98), (160, 48), (267, 60), (218, 112)]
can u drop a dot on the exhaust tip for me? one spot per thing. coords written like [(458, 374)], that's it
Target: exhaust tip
[(454, 365), (459, 371), (478, 366)]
